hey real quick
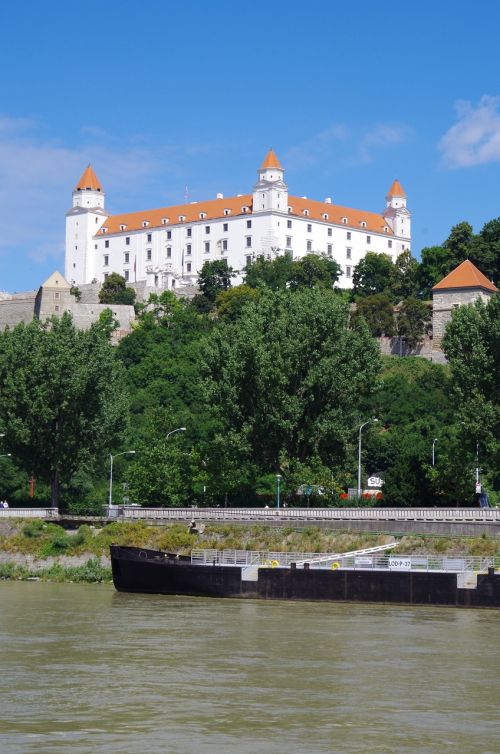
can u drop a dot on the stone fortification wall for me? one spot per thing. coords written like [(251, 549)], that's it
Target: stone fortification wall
[(85, 314), (19, 308)]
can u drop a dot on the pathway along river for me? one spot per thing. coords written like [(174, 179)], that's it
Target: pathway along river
[(85, 670)]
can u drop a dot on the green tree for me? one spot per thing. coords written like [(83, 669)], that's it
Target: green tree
[(231, 303), (62, 398), (314, 271), (215, 277), (270, 273), (372, 275), (404, 281), (413, 321), (378, 313), (434, 265), (472, 346), (285, 381), (114, 290)]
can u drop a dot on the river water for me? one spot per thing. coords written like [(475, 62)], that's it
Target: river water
[(87, 670)]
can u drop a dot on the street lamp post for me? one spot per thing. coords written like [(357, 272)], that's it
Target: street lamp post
[(359, 453), (111, 458), (179, 429), (433, 451), (278, 480)]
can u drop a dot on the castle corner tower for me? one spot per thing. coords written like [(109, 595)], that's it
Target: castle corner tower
[(83, 221)]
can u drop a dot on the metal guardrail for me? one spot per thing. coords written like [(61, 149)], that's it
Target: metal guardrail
[(29, 512), (351, 561), (481, 515)]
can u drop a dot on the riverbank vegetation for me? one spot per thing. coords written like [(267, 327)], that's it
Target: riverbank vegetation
[(274, 377)]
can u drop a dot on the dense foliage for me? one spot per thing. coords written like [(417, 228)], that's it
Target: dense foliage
[(272, 377)]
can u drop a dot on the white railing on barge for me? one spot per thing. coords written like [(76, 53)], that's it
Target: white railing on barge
[(29, 512), (464, 515), (327, 561)]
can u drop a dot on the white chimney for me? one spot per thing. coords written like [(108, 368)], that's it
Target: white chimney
[(328, 200), (220, 196)]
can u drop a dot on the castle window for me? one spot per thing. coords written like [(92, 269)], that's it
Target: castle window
[(148, 255), (290, 209), (248, 260), (389, 244), (145, 223), (368, 239), (249, 223), (164, 220), (188, 249), (126, 275), (249, 241), (288, 242), (106, 260), (348, 234), (363, 224), (348, 272), (306, 213), (207, 247), (169, 235), (127, 241), (225, 228), (309, 228), (123, 227), (95, 246), (403, 247), (203, 215), (127, 257), (76, 248), (329, 231), (56, 308), (149, 237), (325, 216), (169, 252), (386, 229), (96, 220), (188, 231), (106, 275), (344, 220), (104, 230), (329, 249), (288, 223), (56, 295), (224, 244), (244, 210), (207, 229), (182, 218), (106, 244), (309, 246), (227, 211), (188, 267), (348, 253)]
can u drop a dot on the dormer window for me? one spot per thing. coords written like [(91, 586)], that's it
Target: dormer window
[(245, 210), (344, 220), (363, 224), (203, 215), (164, 221), (290, 210), (325, 216), (104, 230), (123, 227), (306, 212), (227, 212), (386, 229), (182, 218), (145, 223)]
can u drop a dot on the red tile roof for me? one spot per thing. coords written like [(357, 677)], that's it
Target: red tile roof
[(271, 161), (89, 180), (466, 275), (396, 189), (215, 209)]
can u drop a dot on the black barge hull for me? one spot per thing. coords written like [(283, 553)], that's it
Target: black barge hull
[(156, 572)]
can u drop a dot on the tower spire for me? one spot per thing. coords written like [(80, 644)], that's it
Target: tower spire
[(88, 181)]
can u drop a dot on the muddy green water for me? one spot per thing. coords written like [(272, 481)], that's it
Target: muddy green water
[(87, 670)]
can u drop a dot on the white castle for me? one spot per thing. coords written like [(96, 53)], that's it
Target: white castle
[(167, 247)]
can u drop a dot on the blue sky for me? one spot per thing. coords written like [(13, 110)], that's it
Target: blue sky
[(157, 95)]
